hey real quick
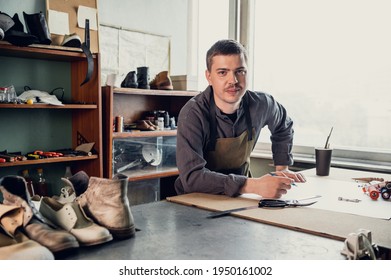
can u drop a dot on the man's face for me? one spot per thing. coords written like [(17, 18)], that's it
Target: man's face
[(228, 77)]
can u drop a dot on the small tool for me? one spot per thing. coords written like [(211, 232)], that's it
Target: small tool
[(368, 179), (355, 200), (267, 203)]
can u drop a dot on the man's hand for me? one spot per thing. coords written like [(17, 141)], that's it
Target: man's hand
[(273, 185), (282, 170)]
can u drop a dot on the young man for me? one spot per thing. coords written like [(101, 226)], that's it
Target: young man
[(218, 129)]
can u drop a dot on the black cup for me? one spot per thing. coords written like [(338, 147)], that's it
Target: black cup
[(323, 161)]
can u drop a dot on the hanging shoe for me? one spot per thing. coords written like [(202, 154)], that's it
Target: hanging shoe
[(71, 217), (106, 202), (162, 81), (36, 25)]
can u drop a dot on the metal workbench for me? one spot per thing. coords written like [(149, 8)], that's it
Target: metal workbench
[(170, 231)]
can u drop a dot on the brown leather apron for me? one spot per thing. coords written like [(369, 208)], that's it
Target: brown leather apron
[(230, 155)]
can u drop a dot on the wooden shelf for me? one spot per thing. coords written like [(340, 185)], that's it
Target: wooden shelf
[(86, 107), (48, 106), (47, 160), (132, 104), (118, 135), (137, 91), (150, 173), (45, 52)]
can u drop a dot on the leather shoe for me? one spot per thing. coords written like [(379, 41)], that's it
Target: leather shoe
[(14, 245), (37, 229), (107, 203), (162, 81), (71, 217), (130, 80)]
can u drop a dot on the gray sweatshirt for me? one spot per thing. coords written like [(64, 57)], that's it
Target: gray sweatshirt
[(193, 136)]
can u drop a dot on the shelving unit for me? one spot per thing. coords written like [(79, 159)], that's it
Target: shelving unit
[(83, 109), (132, 104)]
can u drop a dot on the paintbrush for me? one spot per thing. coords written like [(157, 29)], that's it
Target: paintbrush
[(327, 145)]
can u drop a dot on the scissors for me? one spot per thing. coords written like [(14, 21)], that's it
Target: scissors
[(279, 203), (268, 203)]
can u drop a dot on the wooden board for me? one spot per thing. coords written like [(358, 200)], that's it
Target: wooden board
[(70, 7), (325, 223)]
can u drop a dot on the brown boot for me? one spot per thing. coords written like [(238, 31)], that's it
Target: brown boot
[(14, 245), (162, 81), (106, 202)]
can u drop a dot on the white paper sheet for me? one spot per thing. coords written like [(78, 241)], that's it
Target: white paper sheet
[(58, 22), (84, 13), (331, 189)]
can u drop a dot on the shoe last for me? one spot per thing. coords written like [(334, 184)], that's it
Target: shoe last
[(71, 217), (106, 202)]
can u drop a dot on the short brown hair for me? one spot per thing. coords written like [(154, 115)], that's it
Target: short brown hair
[(224, 47)]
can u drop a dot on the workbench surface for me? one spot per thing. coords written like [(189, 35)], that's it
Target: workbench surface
[(171, 231)]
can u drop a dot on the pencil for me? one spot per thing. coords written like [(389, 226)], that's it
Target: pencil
[(274, 174)]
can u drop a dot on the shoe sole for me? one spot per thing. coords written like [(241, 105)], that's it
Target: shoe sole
[(96, 242), (65, 247), (165, 87), (122, 233)]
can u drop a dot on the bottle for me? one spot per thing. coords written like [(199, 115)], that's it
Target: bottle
[(172, 123), (166, 119), (160, 123), (42, 188), (29, 181), (68, 172)]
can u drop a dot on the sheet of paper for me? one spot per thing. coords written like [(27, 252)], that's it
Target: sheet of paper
[(58, 22), (331, 190), (84, 13), (339, 184)]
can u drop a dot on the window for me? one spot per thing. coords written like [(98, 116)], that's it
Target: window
[(329, 64), (212, 26)]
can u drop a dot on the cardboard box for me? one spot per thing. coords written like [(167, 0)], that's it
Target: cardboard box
[(184, 82)]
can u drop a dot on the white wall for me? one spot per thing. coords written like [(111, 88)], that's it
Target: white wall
[(168, 18)]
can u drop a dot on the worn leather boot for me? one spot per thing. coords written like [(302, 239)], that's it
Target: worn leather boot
[(162, 81), (15, 193), (143, 77), (130, 80), (106, 202), (14, 245)]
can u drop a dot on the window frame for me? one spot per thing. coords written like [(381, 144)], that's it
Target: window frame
[(345, 157)]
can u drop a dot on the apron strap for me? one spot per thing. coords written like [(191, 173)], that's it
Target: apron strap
[(248, 118), (213, 124)]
